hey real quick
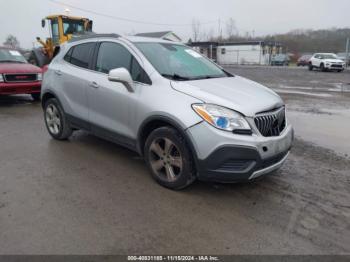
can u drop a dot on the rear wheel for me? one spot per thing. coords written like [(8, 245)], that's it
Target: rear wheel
[(311, 67), (36, 96), (169, 158), (55, 119)]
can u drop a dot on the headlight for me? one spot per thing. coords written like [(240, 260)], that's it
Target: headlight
[(39, 77), (221, 117), (1, 78)]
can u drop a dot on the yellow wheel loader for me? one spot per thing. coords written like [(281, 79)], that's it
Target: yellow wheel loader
[(62, 28)]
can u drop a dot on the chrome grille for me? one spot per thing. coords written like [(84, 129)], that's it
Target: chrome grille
[(271, 123)]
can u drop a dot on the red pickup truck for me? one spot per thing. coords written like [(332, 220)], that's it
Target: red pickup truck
[(17, 76)]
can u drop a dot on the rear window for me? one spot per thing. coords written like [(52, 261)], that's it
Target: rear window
[(8, 56), (80, 55)]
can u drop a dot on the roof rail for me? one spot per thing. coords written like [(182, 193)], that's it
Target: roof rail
[(91, 35)]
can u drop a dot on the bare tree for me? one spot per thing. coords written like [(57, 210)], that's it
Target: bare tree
[(231, 29), (12, 41), (196, 30)]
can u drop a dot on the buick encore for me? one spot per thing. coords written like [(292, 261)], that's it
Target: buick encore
[(188, 117)]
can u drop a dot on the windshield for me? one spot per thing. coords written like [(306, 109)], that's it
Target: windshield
[(7, 56), (179, 62), (73, 26), (329, 56)]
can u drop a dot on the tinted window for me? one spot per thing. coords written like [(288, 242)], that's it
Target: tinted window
[(113, 55), (137, 73), (68, 55), (80, 55)]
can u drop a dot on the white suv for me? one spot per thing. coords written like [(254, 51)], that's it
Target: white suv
[(326, 61)]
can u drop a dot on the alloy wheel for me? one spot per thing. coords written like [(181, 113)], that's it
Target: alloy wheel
[(165, 159), (53, 119)]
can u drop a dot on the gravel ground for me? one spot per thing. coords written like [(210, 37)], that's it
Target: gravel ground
[(88, 196)]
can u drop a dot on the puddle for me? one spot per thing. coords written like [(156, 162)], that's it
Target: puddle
[(281, 91), (336, 87), (327, 130)]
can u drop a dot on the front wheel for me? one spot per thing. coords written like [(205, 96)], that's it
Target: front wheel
[(322, 68), (55, 119), (169, 158)]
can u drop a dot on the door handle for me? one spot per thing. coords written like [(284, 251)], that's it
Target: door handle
[(58, 72), (94, 84)]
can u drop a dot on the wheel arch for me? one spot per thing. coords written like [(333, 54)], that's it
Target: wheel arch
[(155, 122), (46, 96)]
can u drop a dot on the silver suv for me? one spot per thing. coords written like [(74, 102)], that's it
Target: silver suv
[(187, 116)]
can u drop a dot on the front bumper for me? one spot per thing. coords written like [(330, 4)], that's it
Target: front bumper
[(225, 157), (20, 88), (335, 66)]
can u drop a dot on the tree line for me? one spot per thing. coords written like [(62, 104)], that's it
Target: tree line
[(297, 41)]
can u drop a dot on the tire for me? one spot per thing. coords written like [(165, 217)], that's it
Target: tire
[(311, 67), (169, 158), (339, 71), (36, 96), (56, 121), (322, 68)]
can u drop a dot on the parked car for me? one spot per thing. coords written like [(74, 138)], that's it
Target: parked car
[(304, 60), (17, 76), (189, 118), (326, 61), (280, 60)]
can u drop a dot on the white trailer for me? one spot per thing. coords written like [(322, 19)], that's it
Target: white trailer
[(243, 54)]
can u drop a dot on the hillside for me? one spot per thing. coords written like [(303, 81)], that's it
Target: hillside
[(306, 41)]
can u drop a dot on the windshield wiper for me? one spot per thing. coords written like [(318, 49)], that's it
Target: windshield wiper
[(209, 77), (176, 77), (11, 61)]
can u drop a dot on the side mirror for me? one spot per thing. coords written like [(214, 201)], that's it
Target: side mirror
[(43, 22), (121, 75)]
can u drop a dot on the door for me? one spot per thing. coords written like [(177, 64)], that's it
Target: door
[(317, 60), (73, 74), (110, 106)]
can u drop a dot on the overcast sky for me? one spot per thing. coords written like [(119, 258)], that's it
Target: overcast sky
[(22, 18)]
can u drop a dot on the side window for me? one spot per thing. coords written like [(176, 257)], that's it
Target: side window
[(113, 55), (68, 55), (138, 74), (55, 33), (81, 54)]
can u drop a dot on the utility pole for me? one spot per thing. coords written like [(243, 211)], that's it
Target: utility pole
[(220, 30), (347, 50)]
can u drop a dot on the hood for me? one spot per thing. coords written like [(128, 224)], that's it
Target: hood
[(237, 93), (333, 61), (13, 68)]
